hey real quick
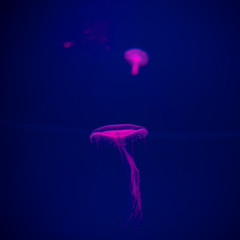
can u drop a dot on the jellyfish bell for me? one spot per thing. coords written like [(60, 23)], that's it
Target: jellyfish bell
[(136, 58), (121, 135)]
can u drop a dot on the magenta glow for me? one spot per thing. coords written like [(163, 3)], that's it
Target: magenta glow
[(69, 44), (136, 58), (120, 135)]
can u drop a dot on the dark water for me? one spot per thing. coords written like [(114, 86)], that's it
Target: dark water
[(55, 184)]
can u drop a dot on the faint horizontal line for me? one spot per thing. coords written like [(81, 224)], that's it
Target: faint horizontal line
[(153, 135), (182, 135), (44, 128)]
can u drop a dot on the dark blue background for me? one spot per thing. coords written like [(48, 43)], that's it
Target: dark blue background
[(55, 184)]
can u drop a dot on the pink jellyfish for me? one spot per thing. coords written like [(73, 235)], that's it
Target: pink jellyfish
[(121, 135), (92, 34), (136, 58), (69, 44)]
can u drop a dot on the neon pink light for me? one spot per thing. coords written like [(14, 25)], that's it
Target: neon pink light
[(121, 135), (136, 58)]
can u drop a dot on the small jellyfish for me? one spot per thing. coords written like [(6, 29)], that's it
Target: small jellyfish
[(136, 58), (69, 44), (120, 135), (92, 34)]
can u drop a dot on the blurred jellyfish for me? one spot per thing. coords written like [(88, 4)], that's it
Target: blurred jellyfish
[(69, 44), (120, 135), (136, 58), (96, 32), (92, 34)]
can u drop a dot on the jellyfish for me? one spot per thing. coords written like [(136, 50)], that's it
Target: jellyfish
[(92, 34), (136, 58), (121, 135), (69, 44)]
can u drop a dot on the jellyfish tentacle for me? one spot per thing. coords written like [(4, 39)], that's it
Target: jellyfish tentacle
[(134, 185)]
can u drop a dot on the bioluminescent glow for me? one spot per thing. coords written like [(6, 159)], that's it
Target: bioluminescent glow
[(136, 58), (120, 135)]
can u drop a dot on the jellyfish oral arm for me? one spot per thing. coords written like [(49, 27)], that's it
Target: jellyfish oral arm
[(135, 68), (134, 184)]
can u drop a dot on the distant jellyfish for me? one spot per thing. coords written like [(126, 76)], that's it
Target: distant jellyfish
[(92, 34), (136, 58), (120, 135), (69, 44)]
